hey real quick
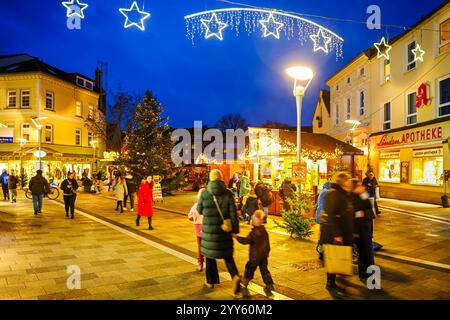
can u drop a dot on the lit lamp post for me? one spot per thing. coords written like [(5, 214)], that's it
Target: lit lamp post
[(94, 145), (355, 124), (303, 77), (38, 124), (23, 142)]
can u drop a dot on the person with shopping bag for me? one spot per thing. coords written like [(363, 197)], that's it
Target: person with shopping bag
[(337, 229)]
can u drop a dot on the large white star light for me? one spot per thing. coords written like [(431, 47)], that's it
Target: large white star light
[(128, 23), (383, 49), (272, 23), (418, 53), (70, 8), (321, 41), (220, 26)]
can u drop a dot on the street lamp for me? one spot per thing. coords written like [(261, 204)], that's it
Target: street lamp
[(303, 77), (93, 144), (355, 124), (23, 142), (37, 122)]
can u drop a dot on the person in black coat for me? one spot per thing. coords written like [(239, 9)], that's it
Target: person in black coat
[(69, 186), (216, 243), (363, 227), (371, 184), (132, 189), (337, 219)]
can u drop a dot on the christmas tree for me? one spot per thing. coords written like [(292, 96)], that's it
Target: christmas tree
[(147, 146)]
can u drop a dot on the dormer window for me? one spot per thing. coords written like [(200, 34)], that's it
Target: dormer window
[(85, 83), (348, 80)]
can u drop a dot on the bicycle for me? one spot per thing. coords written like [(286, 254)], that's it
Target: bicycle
[(52, 195)]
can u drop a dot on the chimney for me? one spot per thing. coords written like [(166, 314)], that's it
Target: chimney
[(98, 78)]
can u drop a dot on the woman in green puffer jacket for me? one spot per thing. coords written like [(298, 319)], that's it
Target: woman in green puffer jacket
[(216, 243)]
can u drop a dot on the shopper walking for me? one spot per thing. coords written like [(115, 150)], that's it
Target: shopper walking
[(250, 204), (337, 223), (244, 185), (264, 193), (12, 186), (4, 181), (371, 184), (197, 220), (319, 209), (363, 227), (145, 201), (258, 239), (216, 204), (120, 188), (38, 186), (69, 187), (287, 192), (132, 188)]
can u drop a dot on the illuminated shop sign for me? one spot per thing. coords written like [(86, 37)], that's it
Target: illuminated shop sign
[(422, 98), (435, 152), (390, 155), (412, 136)]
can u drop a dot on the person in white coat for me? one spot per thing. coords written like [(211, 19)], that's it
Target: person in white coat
[(120, 188)]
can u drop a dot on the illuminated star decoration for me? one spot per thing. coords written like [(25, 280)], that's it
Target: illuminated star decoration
[(271, 21), (383, 49), (128, 22), (70, 8), (418, 53), (321, 41), (220, 26)]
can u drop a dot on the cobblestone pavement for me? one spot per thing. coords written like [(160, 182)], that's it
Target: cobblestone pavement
[(121, 261)]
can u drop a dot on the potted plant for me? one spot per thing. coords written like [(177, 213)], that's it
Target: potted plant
[(445, 177)]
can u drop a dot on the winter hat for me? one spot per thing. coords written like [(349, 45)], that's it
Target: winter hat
[(215, 175)]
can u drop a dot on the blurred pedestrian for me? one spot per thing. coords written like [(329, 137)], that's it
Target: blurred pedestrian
[(69, 187), (264, 193), (371, 184), (145, 201), (38, 186), (120, 188), (132, 188), (216, 204), (319, 209), (12, 186), (250, 203), (197, 220), (287, 192), (244, 185), (4, 181), (258, 239), (337, 220)]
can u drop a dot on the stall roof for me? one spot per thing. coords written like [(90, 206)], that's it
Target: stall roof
[(319, 142)]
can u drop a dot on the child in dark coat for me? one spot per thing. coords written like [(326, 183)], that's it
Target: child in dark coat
[(258, 239)]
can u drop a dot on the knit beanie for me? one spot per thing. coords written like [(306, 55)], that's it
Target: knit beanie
[(215, 175)]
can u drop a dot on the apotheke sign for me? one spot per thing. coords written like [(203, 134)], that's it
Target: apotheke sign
[(412, 136)]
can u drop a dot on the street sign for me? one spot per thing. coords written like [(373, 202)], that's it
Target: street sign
[(6, 135)]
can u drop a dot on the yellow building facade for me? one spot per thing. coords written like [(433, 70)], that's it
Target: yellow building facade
[(406, 116), (66, 108)]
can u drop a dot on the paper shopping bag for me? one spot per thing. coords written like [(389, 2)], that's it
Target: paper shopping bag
[(338, 259)]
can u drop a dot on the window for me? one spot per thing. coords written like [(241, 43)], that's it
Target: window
[(85, 83), (348, 80), (48, 134), (361, 72), (410, 61), (90, 138), (427, 167), (444, 97), (25, 98), (78, 109), (362, 102), (336, 115), (387, 116), (78, 137), (386, 72), (26, 131), (411, 117), (389, 167), (12, 98), (91, 112), (337, 87), (49, 100), (349, 109), (444, 36)]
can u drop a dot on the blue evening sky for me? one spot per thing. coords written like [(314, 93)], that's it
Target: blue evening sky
[(242, 74)]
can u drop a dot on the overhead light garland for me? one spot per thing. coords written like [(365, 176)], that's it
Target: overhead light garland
[(219, 26), (383, 49), (75, 9), (418, 53), (271, 22), (128, 23)]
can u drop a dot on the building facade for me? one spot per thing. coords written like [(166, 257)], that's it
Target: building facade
[(66, 110), (403, 106)]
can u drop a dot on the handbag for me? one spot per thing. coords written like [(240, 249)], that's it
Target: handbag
[(338, 259), (226, 224)]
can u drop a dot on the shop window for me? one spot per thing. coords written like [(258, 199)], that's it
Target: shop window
[(24, 98), (49, 101), (12, 98), (349, 109), (336, 115), (444, 97), (26, 131), (410, 61), (389, 170), (78, 109), (48, 134), (387, 116), (427, 171), (411, 117), (78, 137), (444, 36), (362, 107)]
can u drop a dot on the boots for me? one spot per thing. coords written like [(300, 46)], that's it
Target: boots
[(268, 290), (137, 220), (236, 284), (150, 223)]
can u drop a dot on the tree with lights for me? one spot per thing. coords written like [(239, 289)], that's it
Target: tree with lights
[(147, 147)]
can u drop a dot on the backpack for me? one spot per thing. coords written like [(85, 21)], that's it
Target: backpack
[(267, 196)]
